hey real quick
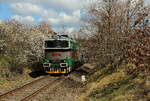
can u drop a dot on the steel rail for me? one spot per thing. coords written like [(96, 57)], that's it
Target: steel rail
[(22, 87), (29, 97)]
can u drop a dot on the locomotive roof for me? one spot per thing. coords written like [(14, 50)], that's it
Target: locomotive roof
[(67, 39)]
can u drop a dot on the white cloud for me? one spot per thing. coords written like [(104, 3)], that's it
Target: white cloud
[(70, 30), (10, 1), (25, 20), (49, 15), (53, 20), (68, 5), (55, 12), (59, 19), (77, 13), (26, 9), (65, 18)]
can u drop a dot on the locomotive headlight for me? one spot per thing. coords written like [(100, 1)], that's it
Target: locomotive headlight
[(49, 64), (46, 65), (63, 64)]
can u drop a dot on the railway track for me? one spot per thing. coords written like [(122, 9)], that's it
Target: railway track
[(37, 87), (29, 97), (30, 90)]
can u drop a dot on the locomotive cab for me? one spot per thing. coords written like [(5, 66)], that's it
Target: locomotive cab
[(61, 55)]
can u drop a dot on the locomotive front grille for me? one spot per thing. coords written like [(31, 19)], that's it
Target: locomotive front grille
[(46, 68), (55, 70)]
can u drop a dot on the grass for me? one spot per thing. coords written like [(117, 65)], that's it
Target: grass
[(101, 72), (109, 84), (8, 83), (9, 79), (112, 89)]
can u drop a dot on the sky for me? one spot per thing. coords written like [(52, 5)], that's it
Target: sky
[(58, 13)]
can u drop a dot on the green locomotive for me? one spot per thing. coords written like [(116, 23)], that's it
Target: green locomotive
[(62, 55)]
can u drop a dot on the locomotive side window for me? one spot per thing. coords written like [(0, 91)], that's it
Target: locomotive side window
[(56, 44)]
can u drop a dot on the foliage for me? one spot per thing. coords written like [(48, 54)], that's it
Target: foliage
[(120, 33), (120, 44), (138, 52), (23, 44)]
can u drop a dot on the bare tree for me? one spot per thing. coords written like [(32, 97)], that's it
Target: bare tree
[(115, 22)]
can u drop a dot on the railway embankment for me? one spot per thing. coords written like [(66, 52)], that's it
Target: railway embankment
[(114, 84), (107, 83), (14, 81)]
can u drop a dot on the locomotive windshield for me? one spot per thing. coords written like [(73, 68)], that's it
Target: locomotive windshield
[(56, 44)]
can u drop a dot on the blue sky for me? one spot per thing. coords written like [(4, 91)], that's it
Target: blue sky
[(4, 7), (54, 12)]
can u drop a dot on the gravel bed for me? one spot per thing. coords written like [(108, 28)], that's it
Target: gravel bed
[(64, 90), (23, 93)]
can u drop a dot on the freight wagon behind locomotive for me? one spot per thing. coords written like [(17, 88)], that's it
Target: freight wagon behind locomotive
[(62, 55)]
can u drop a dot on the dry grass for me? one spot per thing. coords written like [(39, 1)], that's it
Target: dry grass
[(14, 81), (116, 86), (100, 82), (105, 81)]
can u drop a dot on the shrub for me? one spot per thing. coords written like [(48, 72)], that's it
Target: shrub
[(22, 44)]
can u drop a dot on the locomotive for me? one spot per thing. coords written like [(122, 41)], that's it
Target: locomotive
[(61, 55)]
